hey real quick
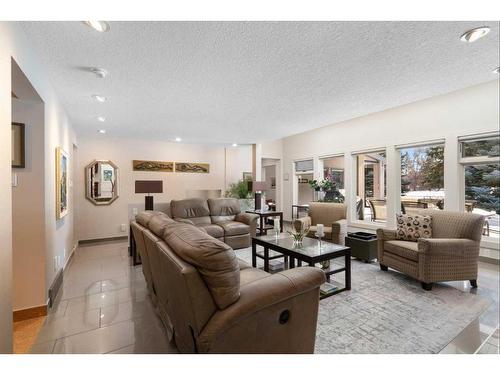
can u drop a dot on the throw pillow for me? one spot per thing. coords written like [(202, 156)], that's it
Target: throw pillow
[(413, 227)]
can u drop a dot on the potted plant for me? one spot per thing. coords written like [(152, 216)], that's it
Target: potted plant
[(240, 190)]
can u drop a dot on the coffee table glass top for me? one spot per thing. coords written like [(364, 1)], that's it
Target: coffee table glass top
[(263, 212), (310, 246)]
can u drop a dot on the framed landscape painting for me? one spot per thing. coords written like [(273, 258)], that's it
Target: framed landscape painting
[(62, 165)]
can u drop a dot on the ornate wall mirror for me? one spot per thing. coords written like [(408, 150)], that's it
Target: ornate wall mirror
[(101, 180)]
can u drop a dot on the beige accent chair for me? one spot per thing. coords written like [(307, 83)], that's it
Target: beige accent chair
[(331, 215), (219, 217), (451, 254), (211, 302)]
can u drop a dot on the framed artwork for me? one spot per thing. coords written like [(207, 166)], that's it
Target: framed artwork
[(247, 176), (62, 198), (18, 150), (192, 167), (152, 166)]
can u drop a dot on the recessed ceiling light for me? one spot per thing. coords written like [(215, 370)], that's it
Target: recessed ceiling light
[(102, 131), (497, 70), (474, 34), (235, 144), (177, 139), (101, 73), (100, 26), (101, 119), (99, 98)]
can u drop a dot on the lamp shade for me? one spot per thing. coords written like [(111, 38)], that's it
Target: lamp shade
[(148, 186), (258, 186)]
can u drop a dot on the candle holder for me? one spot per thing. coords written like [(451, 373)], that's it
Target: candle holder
[(319, 236)]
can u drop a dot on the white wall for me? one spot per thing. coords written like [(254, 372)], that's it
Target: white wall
[(28, 227), (104, 221), (58, 132), (238, 160), (468, 111)]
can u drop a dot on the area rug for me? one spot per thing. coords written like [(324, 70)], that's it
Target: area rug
[(388, 312)]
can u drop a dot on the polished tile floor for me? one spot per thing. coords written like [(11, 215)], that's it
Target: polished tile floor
[(103, 307)]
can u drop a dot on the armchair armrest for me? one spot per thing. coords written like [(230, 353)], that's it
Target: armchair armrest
[(339, 231), (302, 223), (257, 314), (248, 219), (386, 234), (457, 247)]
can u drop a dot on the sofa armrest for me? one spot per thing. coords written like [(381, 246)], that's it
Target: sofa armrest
[(453, 247), (248, 219), (339, 231), (302, 223), (257, 312)]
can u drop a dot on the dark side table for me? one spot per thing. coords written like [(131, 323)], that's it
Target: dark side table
[(263, 215), (363, 246)]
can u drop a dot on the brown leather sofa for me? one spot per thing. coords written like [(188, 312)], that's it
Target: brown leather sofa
[(220, 217), (212, 302), (331, 215), (451, 254)]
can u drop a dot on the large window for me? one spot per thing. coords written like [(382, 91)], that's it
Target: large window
[(480, 158), (371, 203), (422, 178), (333, 171)]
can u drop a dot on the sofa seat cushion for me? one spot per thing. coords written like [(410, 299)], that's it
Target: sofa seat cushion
[(213, 259), (326, 230), (405, 249), (234, 228), (251, 274), (213, 230), (243, 265)]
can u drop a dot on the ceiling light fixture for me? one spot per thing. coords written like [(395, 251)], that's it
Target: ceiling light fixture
[(101, 119), (235, 145), (102, 131), (101, 73), (177, 139), (497, 70), (99, 98), (100, 26), (471, 36)]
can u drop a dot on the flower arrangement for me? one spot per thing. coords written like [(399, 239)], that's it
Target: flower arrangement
[(298, 235)]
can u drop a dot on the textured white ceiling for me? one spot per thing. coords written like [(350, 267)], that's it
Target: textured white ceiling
[(224, 82)]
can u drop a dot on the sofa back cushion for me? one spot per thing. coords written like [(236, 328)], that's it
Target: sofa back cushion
[(194, 209), (326, 213), (214, 260), (450, 224), (159, 222), (413, 227), (223, 209)]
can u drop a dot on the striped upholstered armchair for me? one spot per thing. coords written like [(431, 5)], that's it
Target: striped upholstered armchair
[(451, 254)]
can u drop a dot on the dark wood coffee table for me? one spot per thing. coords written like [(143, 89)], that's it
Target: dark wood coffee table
[(310, 252)]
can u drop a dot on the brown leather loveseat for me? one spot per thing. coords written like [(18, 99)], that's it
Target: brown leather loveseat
[(212, 302), (221, 218)]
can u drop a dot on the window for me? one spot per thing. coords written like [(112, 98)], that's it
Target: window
[(304, 166), (371, 186), (333, 171), (480, 158), (422, 178)]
